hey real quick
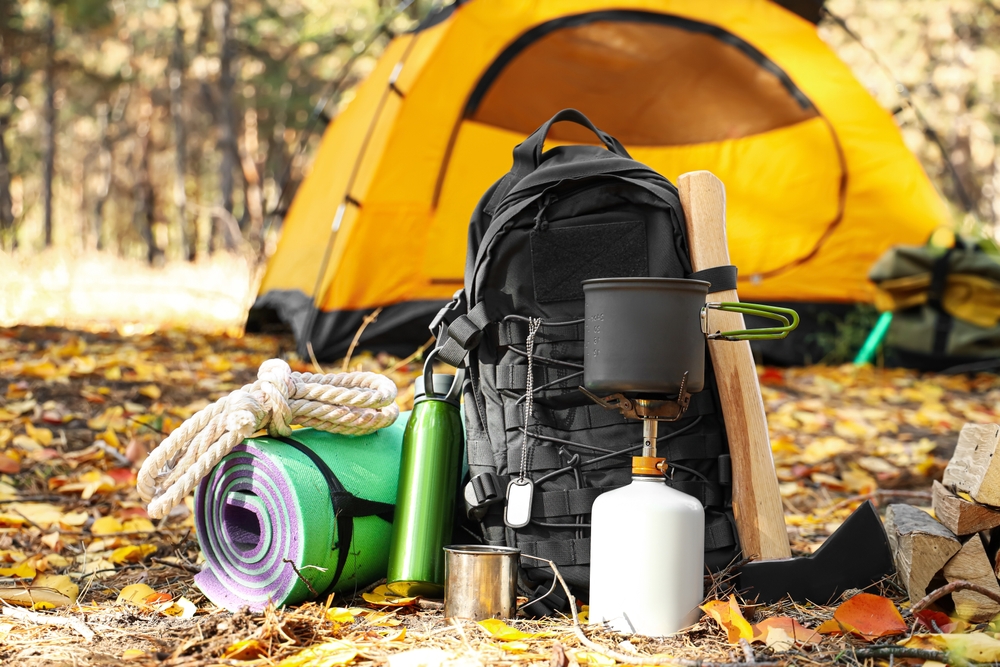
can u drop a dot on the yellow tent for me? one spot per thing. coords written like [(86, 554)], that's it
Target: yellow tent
[(818, 179)]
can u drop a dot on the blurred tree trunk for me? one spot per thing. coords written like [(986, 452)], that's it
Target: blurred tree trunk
[(145, 197), (49, 139), (253, 195), (227, 124), (104, 186), (187, 238), (6, 204)]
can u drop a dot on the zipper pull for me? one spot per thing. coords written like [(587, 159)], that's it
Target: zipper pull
[(541, 224)]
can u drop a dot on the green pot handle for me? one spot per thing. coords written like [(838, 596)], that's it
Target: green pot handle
[(788, 317)]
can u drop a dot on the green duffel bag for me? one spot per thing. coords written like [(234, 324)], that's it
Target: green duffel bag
[(945, 305)]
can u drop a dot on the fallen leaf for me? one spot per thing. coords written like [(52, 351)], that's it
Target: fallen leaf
[(59, 583), (135, 594), (961, 648), (328, 654), (151, 391), (28, 597), (593, 658), (339, 615), (870, 616), (792, 628), (776, 639), (133, 553), (502, 631), (182, 608), (930, 618), (384, 597), (133, 654), (830, 627), (729, 617), (514, 647), (106, 525), (23, 570), (247, 649)]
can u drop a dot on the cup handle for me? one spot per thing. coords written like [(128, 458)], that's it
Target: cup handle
[(788, 317)]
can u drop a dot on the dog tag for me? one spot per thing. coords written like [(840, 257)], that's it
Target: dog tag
[(517, 513)]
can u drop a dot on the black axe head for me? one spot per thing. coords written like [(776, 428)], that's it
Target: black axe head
[(857, 555)]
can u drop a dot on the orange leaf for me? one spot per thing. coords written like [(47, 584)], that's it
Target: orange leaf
[(729, 617), (830, 627), (870, 616), (797, 632)]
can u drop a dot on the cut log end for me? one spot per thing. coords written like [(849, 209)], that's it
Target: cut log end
[(961, 516), (920, 546)]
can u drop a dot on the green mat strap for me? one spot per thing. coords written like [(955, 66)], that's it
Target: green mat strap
[(346, 507)]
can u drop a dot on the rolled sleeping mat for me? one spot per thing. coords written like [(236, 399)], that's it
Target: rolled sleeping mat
[(276, 505)]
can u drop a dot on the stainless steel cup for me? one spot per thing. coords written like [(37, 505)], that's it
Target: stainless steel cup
[(480, 581)]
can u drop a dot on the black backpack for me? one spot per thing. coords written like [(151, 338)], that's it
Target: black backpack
[(560, 217)]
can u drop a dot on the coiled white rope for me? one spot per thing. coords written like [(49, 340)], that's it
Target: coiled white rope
[(348, 403)]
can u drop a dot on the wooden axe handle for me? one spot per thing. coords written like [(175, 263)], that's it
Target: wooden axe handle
[(756, 500)]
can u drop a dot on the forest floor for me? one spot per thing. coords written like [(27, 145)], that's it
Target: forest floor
[(79, 410)]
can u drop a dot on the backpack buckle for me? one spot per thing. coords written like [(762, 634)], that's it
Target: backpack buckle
[(450, 312), (482, 491)]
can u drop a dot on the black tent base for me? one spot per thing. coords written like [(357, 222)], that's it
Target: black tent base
[(828, 333)]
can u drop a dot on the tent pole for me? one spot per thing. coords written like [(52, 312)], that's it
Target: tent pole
[(319, 298)]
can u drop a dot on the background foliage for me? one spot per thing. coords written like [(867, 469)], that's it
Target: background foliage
[(174, 122)]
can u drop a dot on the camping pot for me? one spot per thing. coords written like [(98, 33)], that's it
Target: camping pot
[(480, 581), (643, 334)]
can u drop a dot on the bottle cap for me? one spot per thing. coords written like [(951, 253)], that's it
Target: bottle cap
[(648, 465), (442, 387)]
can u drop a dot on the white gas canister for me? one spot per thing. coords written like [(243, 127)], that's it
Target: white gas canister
[(647, 555)]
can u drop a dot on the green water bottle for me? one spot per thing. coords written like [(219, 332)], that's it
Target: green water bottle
[(429, 471)]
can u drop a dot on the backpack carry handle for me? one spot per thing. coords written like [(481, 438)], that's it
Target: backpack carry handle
[(528, 154)]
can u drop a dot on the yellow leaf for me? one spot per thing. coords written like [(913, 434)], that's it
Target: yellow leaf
[(133, 654), (736, 618), (384, 597), (43, 514), (514, 647), (135, 594), (133, 553), (593, 658), (974, 646), (730, 619), (395, 635), (59, 583), (24, 570), (33, 597), (74, 519), (329, 654), (106, 525), (182, 608), (584, 615), (247, 649), (56, 561), (114, 373), (502, 631), (339, 615), (42, 436), (138, 525), (381, 619), (151, 391)]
